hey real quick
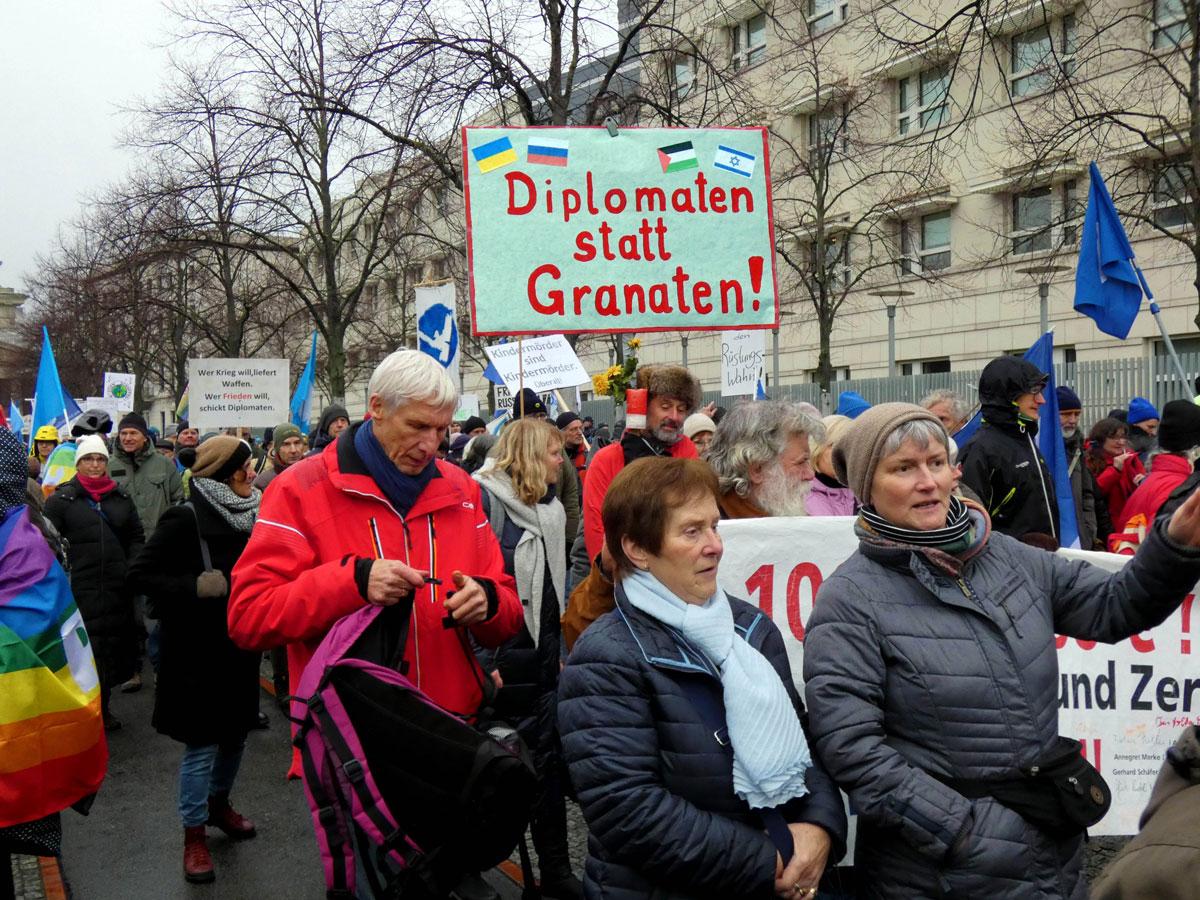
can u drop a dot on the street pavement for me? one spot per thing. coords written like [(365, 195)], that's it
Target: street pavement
[(131, 845)]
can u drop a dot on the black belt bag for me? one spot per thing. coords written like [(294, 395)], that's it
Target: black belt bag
[(1062, 793)]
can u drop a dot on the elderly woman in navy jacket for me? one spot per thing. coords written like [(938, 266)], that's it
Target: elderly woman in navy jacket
[(679, 718)]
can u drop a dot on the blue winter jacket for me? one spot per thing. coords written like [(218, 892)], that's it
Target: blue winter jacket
[(655, 785)]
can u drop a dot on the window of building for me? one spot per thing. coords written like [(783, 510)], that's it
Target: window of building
[(1073, 211), (1032, 217), (1173, 189), (682, 76), (1170, 24), (824, 15), (836, 267), (924, 99), (1038, 55), (838, 375), (749, 41), (827, 134), (925, 243), (925, 366)]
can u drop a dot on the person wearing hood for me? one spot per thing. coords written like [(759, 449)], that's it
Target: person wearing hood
[(207, 693), (932, 683), (517, 489), (287, 448), (1143, 420), (1001, 464), (334, 420), (1090, 516), (1179, 442), (100, 523)]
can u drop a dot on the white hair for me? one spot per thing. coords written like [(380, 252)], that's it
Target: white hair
[(959, 407), (410, 376), (756, 434)]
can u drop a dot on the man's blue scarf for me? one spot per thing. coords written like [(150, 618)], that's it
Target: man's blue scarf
[(402, 490)]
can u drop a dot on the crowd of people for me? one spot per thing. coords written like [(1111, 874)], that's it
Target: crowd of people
[(569, 583)]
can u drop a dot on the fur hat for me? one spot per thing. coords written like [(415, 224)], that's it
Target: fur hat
[(670, 381)]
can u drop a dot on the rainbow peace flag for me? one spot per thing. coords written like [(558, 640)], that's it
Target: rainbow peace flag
[(52, 747), (59, 467)]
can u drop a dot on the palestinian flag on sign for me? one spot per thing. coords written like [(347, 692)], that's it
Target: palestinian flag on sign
[(678, 156), (52, 747)]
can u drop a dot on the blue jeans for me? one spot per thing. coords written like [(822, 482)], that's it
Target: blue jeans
[(203, 771)]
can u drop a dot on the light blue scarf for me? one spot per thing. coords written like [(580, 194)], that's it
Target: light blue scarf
[(770, 753)]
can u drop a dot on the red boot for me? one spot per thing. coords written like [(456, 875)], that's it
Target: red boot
[(229, 820), (197, 862)]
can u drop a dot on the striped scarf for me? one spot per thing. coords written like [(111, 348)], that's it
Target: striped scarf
[(955, 533)]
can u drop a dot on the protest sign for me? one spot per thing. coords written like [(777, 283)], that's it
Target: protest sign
[(119, 386), (110, 405), (437, 326), (224, 393), (468, 405), (549, 363), (574, 230), (1126, 702), (741, 362)]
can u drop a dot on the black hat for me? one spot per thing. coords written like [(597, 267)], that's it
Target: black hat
[(133, 420), (565, 419), (93, 421), (589, 419), (1179, 428), (472, 423), (527, 403)]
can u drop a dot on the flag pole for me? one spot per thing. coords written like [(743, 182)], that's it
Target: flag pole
[(1156, 312)]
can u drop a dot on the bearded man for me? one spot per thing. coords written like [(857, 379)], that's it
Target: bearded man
[(761, 455)]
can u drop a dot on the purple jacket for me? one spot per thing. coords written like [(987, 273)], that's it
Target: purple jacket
[(823, 500)]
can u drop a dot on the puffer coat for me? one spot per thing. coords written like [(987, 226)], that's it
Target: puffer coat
[(102, 540), (655, 786), (911, 674)]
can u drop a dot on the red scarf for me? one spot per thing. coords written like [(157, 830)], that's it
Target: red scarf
[(95, 488)]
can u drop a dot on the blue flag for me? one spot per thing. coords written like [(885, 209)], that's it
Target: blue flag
[(300, 410), (1050, 441), (1108, 283), (51, 404), (16, 424)]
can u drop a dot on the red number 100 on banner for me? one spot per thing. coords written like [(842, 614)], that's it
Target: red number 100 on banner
[(762, 583)]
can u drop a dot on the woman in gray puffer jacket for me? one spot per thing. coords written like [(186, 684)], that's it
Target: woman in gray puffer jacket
[(930, 660)]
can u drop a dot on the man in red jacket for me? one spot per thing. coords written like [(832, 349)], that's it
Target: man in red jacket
[(1179, 441), (673, 394), (372, 518)]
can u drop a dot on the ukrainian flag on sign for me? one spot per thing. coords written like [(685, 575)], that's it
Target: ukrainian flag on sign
[(494, 154)]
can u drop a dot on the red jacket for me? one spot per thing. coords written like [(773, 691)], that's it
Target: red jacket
[(607, 462), (1167, 472), (1117, 486), (296, 575)]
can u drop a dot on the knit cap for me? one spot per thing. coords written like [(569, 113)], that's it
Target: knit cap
[(565, 419), (93, 443), (281, 433), (220, 456), (472, 423), (857, 453), (697, 423), (133, 420), (1180, 426), (1068, 400), (852, 404), (1141, 409)]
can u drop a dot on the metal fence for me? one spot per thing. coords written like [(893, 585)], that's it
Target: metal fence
[(1101, 384)]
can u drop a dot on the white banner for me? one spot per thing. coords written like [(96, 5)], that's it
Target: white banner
[(1127, 702), (437, 326), (224, 393), (549, 363), (108, 404), (741, 362), (118, 386), (468, 405)]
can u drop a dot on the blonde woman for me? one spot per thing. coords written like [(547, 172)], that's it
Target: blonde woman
[(828, 496), (518, 492)]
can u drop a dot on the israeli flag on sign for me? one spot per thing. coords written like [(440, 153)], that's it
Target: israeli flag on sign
[(437, 326), (736, 161)]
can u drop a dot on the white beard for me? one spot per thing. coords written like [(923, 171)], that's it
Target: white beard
[(780, 495)]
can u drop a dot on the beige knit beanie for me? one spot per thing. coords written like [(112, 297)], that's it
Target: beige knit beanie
[(858, 451)]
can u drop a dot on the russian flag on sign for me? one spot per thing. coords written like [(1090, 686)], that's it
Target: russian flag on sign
[(547, 152), (736, 161)]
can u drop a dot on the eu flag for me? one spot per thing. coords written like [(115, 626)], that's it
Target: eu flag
[(301, 405), (51, 404), (1108, 283)]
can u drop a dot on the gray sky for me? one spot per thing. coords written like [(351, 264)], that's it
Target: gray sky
[(66, 67)]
